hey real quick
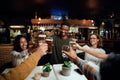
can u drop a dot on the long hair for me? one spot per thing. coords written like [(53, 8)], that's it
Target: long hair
[(16, 43), (100, 44)]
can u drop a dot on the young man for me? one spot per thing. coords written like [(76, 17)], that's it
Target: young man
[(59, 41)]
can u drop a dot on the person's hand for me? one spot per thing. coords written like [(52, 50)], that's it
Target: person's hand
[(41, 50), (77, 46), (71, 54), (32, 48)]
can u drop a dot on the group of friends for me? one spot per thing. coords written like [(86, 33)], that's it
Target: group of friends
[(25, 59)]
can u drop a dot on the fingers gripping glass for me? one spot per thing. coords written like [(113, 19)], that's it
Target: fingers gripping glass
[(65, 48)]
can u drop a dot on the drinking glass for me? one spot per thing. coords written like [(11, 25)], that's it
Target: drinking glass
[(72, 43), (49, 41), (65, 48), (41, 39)]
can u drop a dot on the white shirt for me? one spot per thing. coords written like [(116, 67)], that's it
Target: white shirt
[(19, 57), (90, 58)]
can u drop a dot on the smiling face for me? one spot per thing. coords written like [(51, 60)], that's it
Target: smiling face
[(23, 43), (94, 40), (64, 30)]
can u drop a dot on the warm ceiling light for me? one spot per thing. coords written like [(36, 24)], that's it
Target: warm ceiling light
[(92, 4), (39, 18), (17, 26), (92, 27), (39, 1)]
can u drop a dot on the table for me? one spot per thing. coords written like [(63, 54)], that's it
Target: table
[(55, 73), (73, 76), (37, 69)]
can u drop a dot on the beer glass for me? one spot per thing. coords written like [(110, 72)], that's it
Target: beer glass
[(65, 48), (41, 39), (72, 44), (49, 41)]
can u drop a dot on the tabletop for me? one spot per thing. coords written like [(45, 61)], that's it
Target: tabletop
[(73, 76), (54, 74), (39, 69)]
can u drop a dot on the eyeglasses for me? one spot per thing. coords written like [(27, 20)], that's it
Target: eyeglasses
[(93, 38)]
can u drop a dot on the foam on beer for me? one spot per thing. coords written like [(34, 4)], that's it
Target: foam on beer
[(41, 35)]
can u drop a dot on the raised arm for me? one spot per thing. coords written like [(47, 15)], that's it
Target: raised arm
[(90, 72), (92, 52), (23, 70)]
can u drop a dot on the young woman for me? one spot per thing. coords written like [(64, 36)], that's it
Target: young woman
[(95, 44), (24, 69), (20, 50)]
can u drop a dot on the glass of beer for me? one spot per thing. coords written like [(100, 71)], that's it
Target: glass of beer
[(72, 43), (65, 48), (49, 41), (41, 39)]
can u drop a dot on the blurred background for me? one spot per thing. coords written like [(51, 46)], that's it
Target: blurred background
[(30, 17), (20, 11)]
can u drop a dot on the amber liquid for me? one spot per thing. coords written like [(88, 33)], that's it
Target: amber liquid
[(41, 39), (50, 45)]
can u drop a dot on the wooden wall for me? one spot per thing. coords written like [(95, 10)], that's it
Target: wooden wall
[(5, 55)]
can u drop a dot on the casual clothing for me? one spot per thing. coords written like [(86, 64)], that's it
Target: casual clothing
[(91, 74), (19, 57), (56, 56), (23, 70), (91, 58), (96, 73)]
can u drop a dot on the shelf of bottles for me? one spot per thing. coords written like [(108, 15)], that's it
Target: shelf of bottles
[(109, 30), (79, 29)]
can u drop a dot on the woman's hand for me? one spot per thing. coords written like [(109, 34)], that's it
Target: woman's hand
[(78, 46)]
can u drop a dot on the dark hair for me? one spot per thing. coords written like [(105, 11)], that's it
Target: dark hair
[(100, 44), (110, 68), (65, 23), (16, 43)]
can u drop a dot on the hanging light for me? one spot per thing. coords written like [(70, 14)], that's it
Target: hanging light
[(92, 4)]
